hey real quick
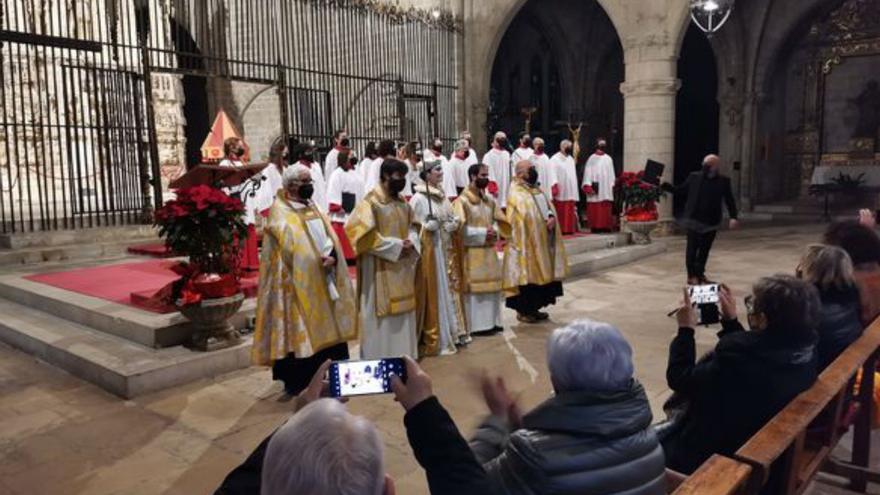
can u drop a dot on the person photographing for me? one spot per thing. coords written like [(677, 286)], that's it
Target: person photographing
[(706, 190)]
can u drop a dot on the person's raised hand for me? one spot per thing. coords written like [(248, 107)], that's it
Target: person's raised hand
[(687, 314), (417, 388), (497, 398), (318, 387), (727, 303), (867, 218)]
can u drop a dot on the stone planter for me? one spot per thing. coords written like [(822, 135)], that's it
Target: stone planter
[(210, 320), (641, 231)]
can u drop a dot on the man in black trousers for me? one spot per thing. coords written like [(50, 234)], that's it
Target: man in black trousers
[(705, 191)]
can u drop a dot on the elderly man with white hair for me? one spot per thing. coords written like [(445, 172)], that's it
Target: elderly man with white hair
[(459, 164), (593, 435), (306, 307), (500, 168), (547, 179)]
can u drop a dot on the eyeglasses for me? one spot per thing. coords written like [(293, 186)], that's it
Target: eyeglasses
[(750, 303)]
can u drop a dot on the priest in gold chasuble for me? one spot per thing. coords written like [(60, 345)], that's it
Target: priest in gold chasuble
[(386, 243), (439, 312), (481, 222), (306, 307), (534, 257)]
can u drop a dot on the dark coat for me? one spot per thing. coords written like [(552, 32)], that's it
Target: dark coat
[(576, 443), (704, 197), (735, 390), (840, 323)]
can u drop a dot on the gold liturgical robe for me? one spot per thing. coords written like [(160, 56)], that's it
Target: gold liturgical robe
[(532, 254), (301, 308), (386, 289), (478, 262)]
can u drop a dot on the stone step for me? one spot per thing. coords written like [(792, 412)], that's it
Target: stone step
[(64, 238), (127, 322), (116, 365), (589, 262), (29, 256), (595, 242)]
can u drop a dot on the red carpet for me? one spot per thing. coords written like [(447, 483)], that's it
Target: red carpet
[(127, 283), (156, 250)]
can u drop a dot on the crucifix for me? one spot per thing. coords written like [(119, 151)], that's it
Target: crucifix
[(575, 138), (527, 113)]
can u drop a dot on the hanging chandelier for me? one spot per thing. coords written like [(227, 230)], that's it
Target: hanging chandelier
[(710, 15)]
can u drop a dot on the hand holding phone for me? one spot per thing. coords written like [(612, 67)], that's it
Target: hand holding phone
[(705, 298), (417, 388), (348, 378)]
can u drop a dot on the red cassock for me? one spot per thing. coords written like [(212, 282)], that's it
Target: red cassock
[(600, 216), (339, 228), (566, 213), (250, 255)]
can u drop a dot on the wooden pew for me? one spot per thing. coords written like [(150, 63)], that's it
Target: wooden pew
[(789, 448)]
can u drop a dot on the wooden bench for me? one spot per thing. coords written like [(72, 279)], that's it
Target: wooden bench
[(791, 447)]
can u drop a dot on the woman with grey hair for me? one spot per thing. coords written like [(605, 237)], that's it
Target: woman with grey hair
[(750, 376), (593, 436), (830, 270)]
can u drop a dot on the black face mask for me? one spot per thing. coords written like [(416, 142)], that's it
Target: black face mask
[(502, 143), (532, 178), (566, 150), (306, 191), (539, 149), (482, 183), (239, 152), (437, 149), (344, 143), (395, 186), (527, 143)]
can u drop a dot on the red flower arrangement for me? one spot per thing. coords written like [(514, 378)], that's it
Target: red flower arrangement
[(638, 198), (206, 225)]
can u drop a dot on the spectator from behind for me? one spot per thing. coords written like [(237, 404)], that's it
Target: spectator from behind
[(733, 391), (862, 244), (593, 436), (830, 270)]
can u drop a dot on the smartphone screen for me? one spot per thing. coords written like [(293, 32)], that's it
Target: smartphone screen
[(703, 294), (348, 378)]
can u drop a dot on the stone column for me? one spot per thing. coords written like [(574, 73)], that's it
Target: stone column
[(649, 118)]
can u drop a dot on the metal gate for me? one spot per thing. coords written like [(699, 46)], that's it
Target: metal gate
[(92, 102)]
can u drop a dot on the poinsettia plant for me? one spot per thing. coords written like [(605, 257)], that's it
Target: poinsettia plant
[(206, 225), (639, 198)]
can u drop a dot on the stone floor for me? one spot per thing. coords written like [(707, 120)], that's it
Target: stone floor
[(59, 434)]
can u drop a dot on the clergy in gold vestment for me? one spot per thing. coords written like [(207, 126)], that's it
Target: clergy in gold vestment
[(534, 257), (386, 243), (306, 307), (481, 220), (439, 312)]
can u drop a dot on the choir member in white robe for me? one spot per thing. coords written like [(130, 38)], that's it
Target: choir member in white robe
[(331, 161), (234, 151), (344, 191), (546, 172), (458, 165), (413, 159), (472, 158), (303, 153), (386, 150), (271, 178), (370, 153), (383, 235), (524, 152), (435, 154), (599, 173), (441, 320), (480, 280), (498, 161), (569, 193)]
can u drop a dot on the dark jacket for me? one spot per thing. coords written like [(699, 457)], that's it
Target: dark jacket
[(704, 197), (576, 443), (840, 323), (734, 390), (440, 449)]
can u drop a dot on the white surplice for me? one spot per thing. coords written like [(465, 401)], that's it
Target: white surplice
[(343, 181), (319, 197), (331, 162), (521, 154), (251, 203), (546, 173), (373, 174), (600, 168), (269, 187), (447, 223), (499, 164), (566, 175), (459, 170)]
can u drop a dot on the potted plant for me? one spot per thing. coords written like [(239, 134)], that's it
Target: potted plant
[(205, 225), (639, 204)]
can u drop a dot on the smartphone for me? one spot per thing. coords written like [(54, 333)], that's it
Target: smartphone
[(349, 378), (703, 294)]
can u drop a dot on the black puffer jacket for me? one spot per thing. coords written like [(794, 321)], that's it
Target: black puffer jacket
[(840, 323), (576, 443)]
